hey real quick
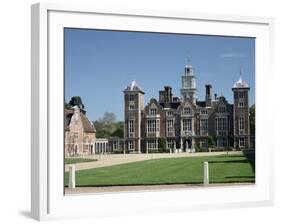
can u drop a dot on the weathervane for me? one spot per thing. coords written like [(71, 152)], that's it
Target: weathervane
[(188, 59), (240, 72)]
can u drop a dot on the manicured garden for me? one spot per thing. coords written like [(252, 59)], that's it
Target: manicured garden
[(188, 170), (78, 160)]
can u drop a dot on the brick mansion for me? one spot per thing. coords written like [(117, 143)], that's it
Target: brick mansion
[(184, 122)]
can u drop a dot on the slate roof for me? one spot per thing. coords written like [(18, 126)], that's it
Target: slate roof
[(201, 103), (134, 86), (67, 118), (241, 84), (173, 105), (88, 127)]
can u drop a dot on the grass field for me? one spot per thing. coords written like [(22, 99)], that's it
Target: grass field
[(78, 160), (187, 170)]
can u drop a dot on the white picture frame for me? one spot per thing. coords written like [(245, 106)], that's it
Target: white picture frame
[(48, 200)]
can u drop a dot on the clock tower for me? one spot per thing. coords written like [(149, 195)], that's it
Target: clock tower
[(188, 84)]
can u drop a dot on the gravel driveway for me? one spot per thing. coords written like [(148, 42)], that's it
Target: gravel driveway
[(115, 159)]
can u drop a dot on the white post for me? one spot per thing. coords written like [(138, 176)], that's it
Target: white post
[(71, 177), (206, 173)]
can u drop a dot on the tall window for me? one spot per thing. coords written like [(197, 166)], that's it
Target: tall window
[(170, 125), (241, 99), (152, 125), (152, 144), (170, 144), (186, 125), (241, 104), (204, 125), (131, 98), (241, 142), (157, 125), (131, 128), (222, 109), (241, 124), (186, 110), (222, 142), (204, 143), (241, 94), (115, 145), (131, 145), (131, 102), (221, 124)]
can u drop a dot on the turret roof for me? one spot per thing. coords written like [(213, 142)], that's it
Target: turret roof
[(241, 84), (134, 86)]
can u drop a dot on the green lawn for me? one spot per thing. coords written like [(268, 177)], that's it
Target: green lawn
[(78, 160), (189, 170)]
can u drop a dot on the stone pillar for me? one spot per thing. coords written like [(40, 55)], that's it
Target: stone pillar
[(71, 183), (192, 145), (181, 144), (139, 145), (206, 173)]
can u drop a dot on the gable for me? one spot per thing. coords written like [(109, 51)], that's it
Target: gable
[(153, 104)]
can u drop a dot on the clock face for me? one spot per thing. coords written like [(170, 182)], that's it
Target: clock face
[(186, 83)]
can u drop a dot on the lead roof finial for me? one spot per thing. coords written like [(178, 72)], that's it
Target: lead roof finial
[(188, 59)]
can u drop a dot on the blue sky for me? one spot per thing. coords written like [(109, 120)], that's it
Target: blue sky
[(100, 64)]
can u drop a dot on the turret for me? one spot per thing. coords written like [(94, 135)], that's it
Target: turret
[(188, 86), (133, 105), (241, 114)]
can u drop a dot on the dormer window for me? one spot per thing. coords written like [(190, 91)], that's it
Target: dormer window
[(152, 111), (170, 113), (204, 112), (222, 109), (186, 110)]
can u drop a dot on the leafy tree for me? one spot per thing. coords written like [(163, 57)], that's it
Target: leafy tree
[(108, 118), (197, 148), (107, 126), (76, 101), (252, 119), (162, 144), (211, 141), (119, 132), (67, 105)]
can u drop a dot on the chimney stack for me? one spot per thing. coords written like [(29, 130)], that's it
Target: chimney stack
[(208, 96)]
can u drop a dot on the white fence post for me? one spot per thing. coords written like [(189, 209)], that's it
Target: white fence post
[(71, 177), (206, 173)]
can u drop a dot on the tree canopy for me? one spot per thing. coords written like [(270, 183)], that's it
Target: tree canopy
[(107, 126), (67, 105), (252, 119), (76, 101)]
